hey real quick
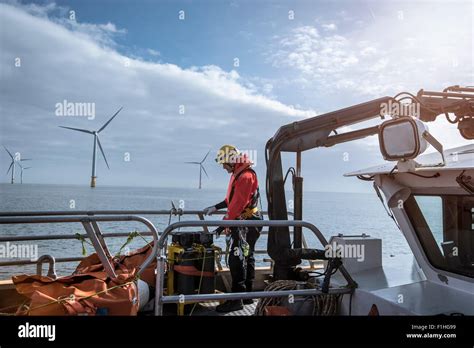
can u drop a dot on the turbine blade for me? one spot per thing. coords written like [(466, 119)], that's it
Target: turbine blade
[(110, 120), (207, 154), (11, 164), (26, 159), (204, 169), (78, 129), (102, 151), (192, 162), (20, 165), (8, 152), (27, 167)]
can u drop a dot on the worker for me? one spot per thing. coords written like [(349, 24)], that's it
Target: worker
[(241, 202)]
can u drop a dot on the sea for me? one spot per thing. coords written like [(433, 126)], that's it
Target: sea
[(332, 212)]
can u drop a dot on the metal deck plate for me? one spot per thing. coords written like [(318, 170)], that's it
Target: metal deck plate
[(209, 309)]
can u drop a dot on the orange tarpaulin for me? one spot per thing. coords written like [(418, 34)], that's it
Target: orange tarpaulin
[(89, 291)]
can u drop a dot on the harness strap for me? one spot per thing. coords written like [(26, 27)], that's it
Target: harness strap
[(248, 213)]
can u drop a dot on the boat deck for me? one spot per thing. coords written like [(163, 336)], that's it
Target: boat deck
[(209, 309)]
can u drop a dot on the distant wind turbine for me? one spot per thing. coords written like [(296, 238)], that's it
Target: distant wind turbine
[(21, 172), (201, 168), (13, 163), (96, 142)]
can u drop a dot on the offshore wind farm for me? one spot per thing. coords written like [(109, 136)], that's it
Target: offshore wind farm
[(16, 159), (361, 202)]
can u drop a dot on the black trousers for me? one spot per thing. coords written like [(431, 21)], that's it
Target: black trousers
[(242, 268)]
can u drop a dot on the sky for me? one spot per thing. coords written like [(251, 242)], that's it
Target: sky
[(193, 75)]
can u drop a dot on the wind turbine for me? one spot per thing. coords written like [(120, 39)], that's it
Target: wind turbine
[(21, 172), (201, 168), (96, 142), (13, 163)]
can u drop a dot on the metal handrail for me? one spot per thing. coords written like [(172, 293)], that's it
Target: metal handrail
[(160, 299), (87, 222), (100, 212), (63, 236), (174, 212), (12, 214), (250, 295)]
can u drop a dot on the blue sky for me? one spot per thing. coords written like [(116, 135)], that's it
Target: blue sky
[(139, 54)]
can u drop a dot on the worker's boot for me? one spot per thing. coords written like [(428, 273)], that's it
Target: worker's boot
[(248, 288), (230, 306)]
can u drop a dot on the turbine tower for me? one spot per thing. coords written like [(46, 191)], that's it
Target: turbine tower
[(96, 142), (13, 164), (21, 172), (201, 168)]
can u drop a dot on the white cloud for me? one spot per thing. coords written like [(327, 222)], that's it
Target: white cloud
[(418, 51), (153, 52), (34, 9), (110, 27), (104, 33), (329, 27), (267, 88), (312, 54), (75, 62), (368, 51), (430, 48)]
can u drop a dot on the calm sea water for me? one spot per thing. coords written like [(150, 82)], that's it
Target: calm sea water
[(332, 213)]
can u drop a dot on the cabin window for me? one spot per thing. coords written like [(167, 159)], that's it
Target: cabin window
[(432, 209), (444, 225)]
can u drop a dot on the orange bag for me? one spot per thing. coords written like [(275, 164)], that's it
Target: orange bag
[(87, 294), (131, 261), (89, 291)]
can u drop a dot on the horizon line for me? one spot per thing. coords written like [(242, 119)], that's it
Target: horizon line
[(166, 187)]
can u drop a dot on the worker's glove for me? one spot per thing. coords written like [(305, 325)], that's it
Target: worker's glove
[(219, 230), (210, 210)]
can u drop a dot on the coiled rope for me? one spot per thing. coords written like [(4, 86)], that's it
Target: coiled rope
[(324, 304)]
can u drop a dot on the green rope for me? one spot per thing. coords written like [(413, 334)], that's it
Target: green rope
[(138, 233), (83, 240), (130, 238)]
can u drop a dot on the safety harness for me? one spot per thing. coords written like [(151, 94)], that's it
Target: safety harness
[(252, 208), (250, 212)]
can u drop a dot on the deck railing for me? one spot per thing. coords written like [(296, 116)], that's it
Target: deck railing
[(161, 299), (90, 221), (22, 218), (93, 232)]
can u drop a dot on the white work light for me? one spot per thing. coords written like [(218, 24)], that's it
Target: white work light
[(403, 139)]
